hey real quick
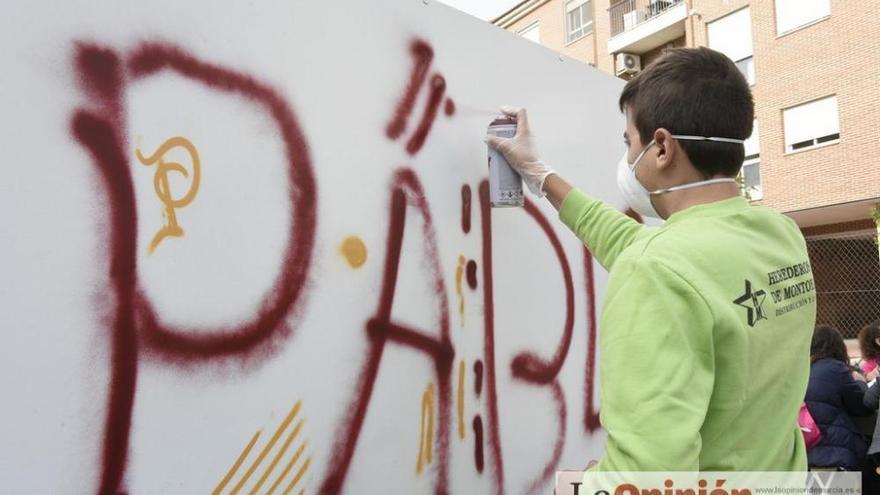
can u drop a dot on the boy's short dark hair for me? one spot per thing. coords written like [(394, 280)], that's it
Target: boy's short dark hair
[(697, 92)]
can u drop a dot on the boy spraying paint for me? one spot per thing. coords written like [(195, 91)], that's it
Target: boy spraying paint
[(704, 360)]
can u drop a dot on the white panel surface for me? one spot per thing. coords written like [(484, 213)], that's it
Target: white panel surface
[(151, 371)]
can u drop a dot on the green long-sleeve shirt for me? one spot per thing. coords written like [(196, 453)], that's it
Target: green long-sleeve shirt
[(704, 336)]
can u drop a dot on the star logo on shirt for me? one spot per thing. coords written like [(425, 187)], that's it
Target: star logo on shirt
[(753, 302)]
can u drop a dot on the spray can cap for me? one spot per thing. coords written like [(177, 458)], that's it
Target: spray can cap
[(502, 119)]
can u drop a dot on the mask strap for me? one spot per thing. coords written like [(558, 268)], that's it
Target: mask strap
[(632, 166), (704, 138), (693, 184)]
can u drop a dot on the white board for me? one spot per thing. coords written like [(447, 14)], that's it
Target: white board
[(149, 363)]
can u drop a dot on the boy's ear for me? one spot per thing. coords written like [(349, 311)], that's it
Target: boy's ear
[(666, 147)]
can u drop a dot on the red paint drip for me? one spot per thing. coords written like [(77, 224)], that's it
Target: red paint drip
[(540, 484), (99, 70), (406, 191), (438, 87), (449, 107), (422, 55), (466, 208), (472, 274), (591, 414), (270, 321), (478, 443), (528, 366), (489, 340), (478, 377), (635, 216), (99, 137)]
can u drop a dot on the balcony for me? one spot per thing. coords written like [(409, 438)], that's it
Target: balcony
[(638, 26)]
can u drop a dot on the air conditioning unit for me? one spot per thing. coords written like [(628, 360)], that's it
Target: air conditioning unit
[(628, 63), (633, 18)]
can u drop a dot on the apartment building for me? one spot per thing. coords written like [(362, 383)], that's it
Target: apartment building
[(814, 68)]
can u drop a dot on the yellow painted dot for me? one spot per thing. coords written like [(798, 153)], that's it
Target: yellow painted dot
[(355, 251)]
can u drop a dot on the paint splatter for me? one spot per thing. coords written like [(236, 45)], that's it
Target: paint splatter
[(478, 377), (466, 208), (354, 251), (449, 107), (472, 274), (478, 443)]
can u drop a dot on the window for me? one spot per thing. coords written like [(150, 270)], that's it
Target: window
[(578, 19), (531, 32), (811, 125), (732, 36), (751, 175), (747, 67), (751, 169), (792, 14)]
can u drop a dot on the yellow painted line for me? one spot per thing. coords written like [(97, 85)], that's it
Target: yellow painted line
[(287, 468), (299, 475), (237, 464), (426, 430), (460, 398), (278, 457), (429, 435), (267, 448)]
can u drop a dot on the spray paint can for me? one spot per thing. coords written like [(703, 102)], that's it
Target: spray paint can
[(505, 184)]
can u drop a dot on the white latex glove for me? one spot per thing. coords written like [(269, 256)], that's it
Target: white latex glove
[(521, 152)]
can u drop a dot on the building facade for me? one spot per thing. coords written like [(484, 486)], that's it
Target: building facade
[(814, 69)]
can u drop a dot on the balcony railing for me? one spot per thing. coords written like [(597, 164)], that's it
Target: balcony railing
[(628, 14)]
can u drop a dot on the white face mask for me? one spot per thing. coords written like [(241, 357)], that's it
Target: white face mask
[(638, 198)]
